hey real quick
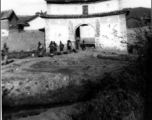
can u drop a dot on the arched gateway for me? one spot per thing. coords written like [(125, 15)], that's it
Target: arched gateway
[(85, 32), (103, 21)]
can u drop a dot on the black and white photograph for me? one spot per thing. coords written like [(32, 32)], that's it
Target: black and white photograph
[(76, 60)]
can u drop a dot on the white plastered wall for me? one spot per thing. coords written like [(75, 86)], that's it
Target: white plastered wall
[(36, 24), (76, 9), (112, 31), (87, 32)]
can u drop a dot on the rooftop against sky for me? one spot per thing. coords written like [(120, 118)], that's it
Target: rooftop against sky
[(28, 7)]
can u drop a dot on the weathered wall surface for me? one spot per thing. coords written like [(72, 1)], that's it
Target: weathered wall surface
[(76, 9), (5, 27), (5, 24), (55, 9), (36, 24), (109, 31), (112, 33), (25, 41), (102, 7)]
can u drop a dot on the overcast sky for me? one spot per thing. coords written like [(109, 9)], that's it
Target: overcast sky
[(30, 7)]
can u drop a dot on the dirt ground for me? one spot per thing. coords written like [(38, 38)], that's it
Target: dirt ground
[(49, 88)]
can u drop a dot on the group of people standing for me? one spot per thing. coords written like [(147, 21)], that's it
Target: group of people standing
[(41, 50), (54, 48), (82, 45), (78, 45)]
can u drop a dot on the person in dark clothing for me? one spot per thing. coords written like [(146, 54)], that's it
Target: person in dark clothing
[(83, 46), (40, 49), (55, 46), (61, 46), (77, 43), (5, 53), (51, 46), (69, 45)]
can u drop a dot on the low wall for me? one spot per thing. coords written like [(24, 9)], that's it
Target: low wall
[(23, 41)]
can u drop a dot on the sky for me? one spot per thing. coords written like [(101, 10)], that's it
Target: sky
[(30, 7)]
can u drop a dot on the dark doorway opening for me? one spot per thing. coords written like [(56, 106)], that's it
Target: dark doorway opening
[(81, 35)]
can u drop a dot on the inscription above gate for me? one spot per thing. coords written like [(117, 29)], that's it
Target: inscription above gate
[(85, 10)]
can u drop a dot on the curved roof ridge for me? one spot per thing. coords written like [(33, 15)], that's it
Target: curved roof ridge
[(74, 1)]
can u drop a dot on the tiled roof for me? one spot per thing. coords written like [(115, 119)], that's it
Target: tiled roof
[(32, 18), (7, 14), (124, 11), (26, 18), (73, 1), (23, 20)]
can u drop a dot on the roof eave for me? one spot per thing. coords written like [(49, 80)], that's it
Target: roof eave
[(4, 18), (124, 11), (74, 1), (32, 18)]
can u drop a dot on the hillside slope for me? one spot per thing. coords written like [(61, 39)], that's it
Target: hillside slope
[(135, 15), (139, 12)]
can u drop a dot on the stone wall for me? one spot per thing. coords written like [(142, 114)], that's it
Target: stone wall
[(23, 41), (5, 24)]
